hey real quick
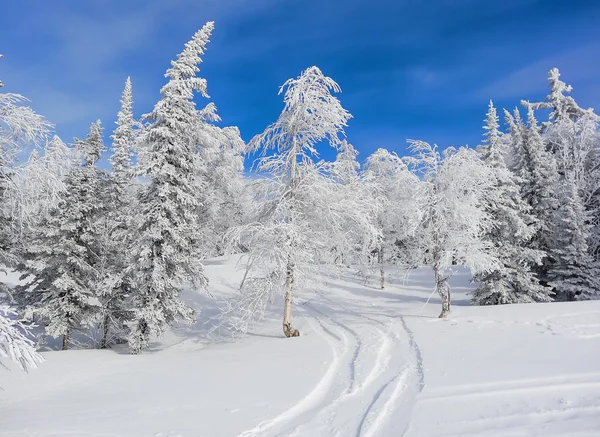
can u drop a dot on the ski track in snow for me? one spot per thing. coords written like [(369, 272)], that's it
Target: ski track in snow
[(371, 383)]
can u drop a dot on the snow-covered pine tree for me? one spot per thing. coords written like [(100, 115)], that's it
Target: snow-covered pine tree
[(117, 224), (539, 191), (562, 106), (62, 254), (571, 134), (513, 280), (164, 251), (573, 274), (453, 219), (299, 213), (388, 180)]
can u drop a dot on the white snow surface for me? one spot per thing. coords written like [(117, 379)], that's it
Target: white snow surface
[(368, 363)]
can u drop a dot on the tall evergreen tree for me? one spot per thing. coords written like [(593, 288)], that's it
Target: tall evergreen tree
[(117, 224), (163, 253), (574, 274), (62, 258), (513, 280), (539, 178)]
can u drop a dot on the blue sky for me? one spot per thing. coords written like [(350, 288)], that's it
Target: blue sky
[(408, 69)]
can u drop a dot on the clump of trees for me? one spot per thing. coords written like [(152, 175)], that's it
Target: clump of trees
[(106, 254)]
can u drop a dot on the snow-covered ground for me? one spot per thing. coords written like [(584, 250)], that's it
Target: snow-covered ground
[(368, 363)]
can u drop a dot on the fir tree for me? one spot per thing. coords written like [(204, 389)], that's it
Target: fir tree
[(574, 274), (163, 253), (117, 223), (62, 258), (513, 281)]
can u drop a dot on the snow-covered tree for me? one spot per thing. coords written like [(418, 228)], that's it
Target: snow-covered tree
[(572, 135), (573, 274), (346, 168), (353, 191), (20, 127), (388, 180), (562, 106), (539, 191), (512, 281), (123, 139), (164, 252), (453, 220), (14, 343), (299, 213), (39, 183), (220, 183), (62, 254), (117, 225)]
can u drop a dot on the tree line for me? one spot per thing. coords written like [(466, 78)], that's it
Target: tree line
[(107, 253)]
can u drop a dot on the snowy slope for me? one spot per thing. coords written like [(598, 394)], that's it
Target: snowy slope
[(368, 363)]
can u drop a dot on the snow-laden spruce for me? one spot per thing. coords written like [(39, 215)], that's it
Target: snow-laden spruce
[(300, 211), (166, 241), (452, 219), (573, 273), (117, 225), (513, 280), (62, 255), (537, 170), (572, 135)]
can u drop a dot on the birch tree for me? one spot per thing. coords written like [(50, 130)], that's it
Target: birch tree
[(452, 218), (20, 127), (389, 181), (297, 216)]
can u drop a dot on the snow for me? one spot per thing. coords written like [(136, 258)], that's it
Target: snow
[(368, 363)]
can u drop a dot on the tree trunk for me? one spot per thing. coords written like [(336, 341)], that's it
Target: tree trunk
[(288, 330), (381, 270), (65, 341), (248, 266), (443, 288), (104, 339)]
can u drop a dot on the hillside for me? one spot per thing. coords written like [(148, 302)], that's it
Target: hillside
[(368, 363)]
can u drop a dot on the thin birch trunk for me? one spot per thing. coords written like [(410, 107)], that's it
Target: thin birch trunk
[(441, 282), (381, 270), (288, 330)]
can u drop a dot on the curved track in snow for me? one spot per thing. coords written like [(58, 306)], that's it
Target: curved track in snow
[(371, 383)]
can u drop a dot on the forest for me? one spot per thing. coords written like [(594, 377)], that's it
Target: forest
[(104, 256)]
